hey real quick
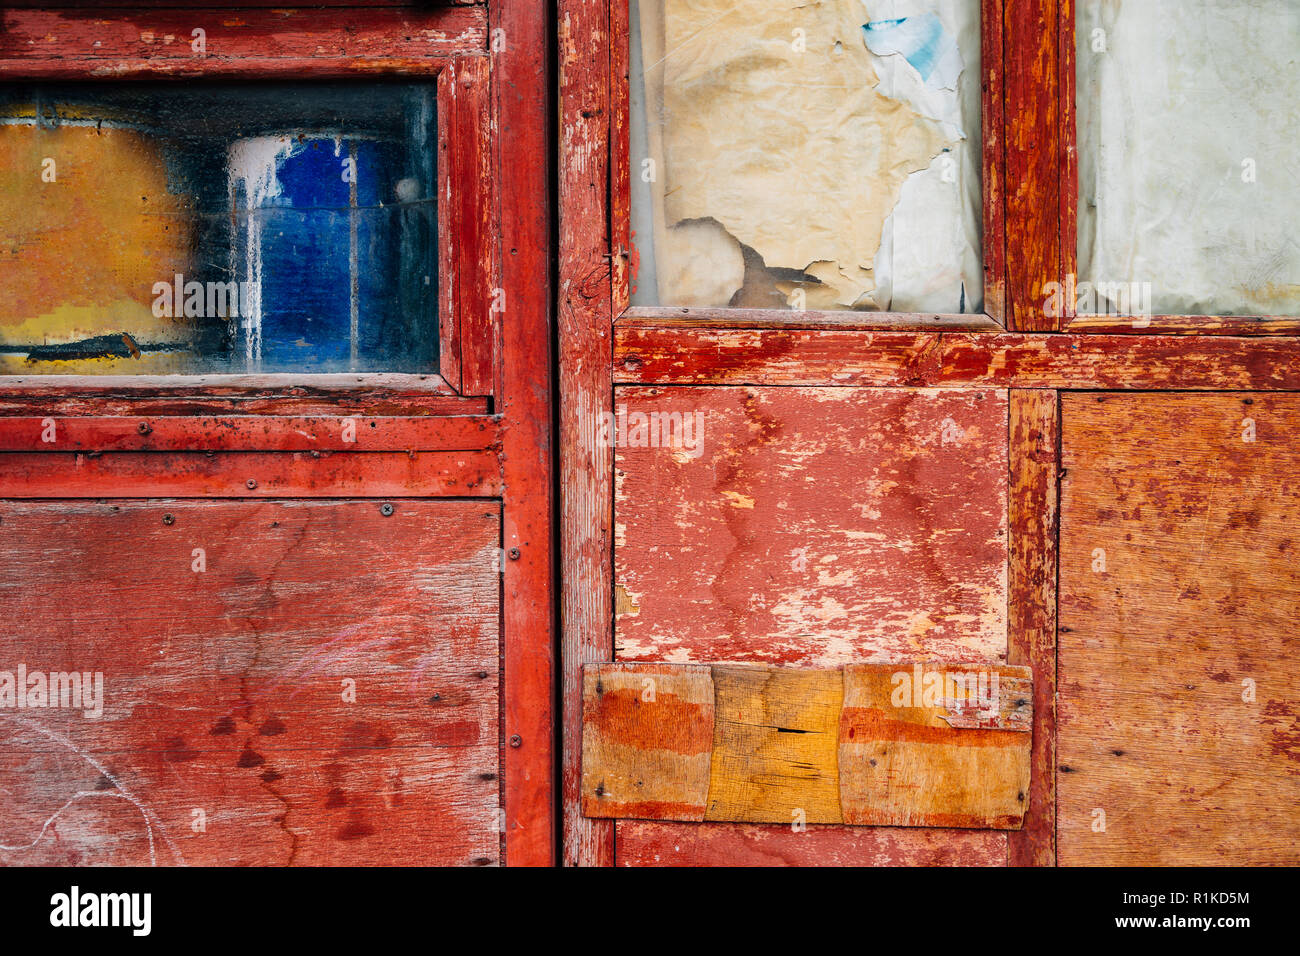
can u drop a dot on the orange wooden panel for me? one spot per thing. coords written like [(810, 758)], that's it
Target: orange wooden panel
[(1179, 714), (813, 527), (282, 682)]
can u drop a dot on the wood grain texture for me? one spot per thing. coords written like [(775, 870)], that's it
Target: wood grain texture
[(1033, 173), (907, 743), (465, 234), (819, 357), (473, 474), (912, 761), (1032, 515), (1179, 591), (992, 117), (647, 739), (815, 527), (651, 843), (247, 433), (584, 314), (774, 745), (223, 688), (121, 43), (522, 363)]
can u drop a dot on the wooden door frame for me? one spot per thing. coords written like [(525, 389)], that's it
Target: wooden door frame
[(1028, 128), (480, 428)]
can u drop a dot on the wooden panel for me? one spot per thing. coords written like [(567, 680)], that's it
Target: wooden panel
[(224, 688), (814, 527), (1179, 595), (647, 736), (69, 43), (650, 843), (465, 293), (774, 740), (905, 743), (250, 474), (993, 113), (908, 760), (1031, 604), (674, 356)]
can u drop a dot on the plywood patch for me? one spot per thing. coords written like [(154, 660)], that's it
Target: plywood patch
[(1179, 741)]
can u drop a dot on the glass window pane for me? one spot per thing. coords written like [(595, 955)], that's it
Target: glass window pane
[(798, 155), (1188, 123), (205, 227)]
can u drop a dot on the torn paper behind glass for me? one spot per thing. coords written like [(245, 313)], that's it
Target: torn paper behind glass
[(819, 154)]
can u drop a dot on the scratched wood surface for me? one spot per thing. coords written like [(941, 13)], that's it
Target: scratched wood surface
[(223, 688), (647, 737), (814, 527), (651, 843), (774, 737), (1033, 516), (1179, 594)]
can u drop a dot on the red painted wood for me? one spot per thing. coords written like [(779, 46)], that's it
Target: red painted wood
[(814, 527), (676, 356), (522, 145), (223, 688), (474, 474), (584, 315), (465, 226), (994, 157), (248, 433), (645, 843), (120, 43), (1033, 520), (1033, 154)]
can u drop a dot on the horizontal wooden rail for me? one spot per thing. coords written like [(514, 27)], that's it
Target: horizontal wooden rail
[(658, 355), (248, 433)]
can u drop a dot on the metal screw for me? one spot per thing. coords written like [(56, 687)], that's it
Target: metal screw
[(516, 741), (385, 509), (514, 554), (169, 519), (251, 483), (143, 428)]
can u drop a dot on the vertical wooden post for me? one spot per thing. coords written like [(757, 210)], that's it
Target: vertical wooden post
[(1032, 520), (517, 41), (585, 317)]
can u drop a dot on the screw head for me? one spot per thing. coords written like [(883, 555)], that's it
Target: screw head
[(251, 483), (514, 554), (386, 509), (516, 741), (169, 518), (144, 428)]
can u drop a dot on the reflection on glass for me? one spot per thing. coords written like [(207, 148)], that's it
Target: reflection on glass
[(218, 228)]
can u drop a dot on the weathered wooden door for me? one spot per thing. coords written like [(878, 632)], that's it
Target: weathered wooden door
[(275, 573), (945, 335)]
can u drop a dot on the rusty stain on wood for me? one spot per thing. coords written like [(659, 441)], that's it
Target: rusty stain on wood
[(1179, 719)]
